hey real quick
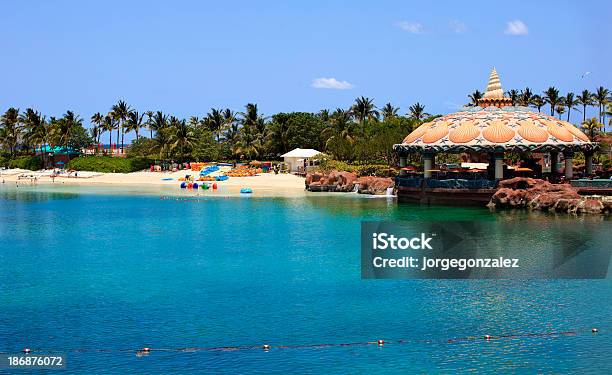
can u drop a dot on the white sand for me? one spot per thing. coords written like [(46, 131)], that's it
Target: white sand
[(268, 184)]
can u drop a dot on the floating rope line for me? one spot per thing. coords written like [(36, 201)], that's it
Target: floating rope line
[(267, 347)]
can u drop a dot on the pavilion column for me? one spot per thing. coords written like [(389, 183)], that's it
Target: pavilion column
[(569, 164), (499, 165), (403, 161), (588, 161), (428, 163), (554, 157)]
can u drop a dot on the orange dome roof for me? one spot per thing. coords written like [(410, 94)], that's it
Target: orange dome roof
[(495, 129)]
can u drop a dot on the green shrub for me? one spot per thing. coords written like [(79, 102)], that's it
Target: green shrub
[(32, 163), (376, 170), (379, 170), (142, 148), (108, 164), (4, 161)]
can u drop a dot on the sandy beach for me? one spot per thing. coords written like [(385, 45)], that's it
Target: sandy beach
[(268, 184)]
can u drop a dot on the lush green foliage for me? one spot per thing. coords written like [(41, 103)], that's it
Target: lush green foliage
[(362, 134), (142, 148), (109, 164), (32, 163), (381, 170)]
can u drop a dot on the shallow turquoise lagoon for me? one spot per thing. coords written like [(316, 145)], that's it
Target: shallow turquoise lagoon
[(114, 272)]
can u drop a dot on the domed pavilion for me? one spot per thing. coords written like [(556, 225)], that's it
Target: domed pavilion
[(494, 127)]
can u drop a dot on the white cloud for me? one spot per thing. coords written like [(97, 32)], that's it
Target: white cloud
[(410, 26), (331, 83), (516, 27), (457, 26)]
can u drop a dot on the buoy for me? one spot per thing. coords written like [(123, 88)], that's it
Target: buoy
[(26, 350), (146, 349), (381, 342), (594, 330), (266, 347), (214, 186), (487, 337), (190, 186)]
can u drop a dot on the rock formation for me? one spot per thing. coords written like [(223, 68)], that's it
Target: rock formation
[(541, 195), (346, 182), (374, 185)]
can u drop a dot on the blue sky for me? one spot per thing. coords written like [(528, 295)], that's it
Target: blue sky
[(185, 57)]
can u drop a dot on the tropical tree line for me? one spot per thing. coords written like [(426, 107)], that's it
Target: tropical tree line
[(558, 104), (31, 132), (361, 133)]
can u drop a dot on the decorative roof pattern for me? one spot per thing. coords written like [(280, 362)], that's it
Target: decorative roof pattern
[(494, 88), (495, 129)]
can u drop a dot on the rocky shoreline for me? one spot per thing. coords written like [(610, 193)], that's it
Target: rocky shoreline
[(534, 194), (346, 182)]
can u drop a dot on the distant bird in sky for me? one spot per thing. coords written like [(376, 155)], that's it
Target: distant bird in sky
[(585, 74)]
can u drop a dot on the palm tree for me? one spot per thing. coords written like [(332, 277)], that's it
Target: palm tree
[(417, 112), (560, 109), (98, 120), (249, 142), (364, 110), (229, 119), (514, 95), (134, 123), (475, 97), (10, 129), (592, 126), (31, 122), (250, 116), (162, 142), (551, 96), (109, 125), (570, 102), (158, 122), (525, 97), (149, 115), (601, 97), (181, 137), (537, 102), (324, 115), (389, 111), (340, 132), (121, 111), (277, 137), (215, 122), (585, 99), (64, 128)]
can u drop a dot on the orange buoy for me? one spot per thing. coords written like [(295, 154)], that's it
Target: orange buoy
[(215, 186), (381, 342), (190, 185)]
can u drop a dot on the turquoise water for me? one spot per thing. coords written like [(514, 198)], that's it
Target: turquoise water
[(83, 272)]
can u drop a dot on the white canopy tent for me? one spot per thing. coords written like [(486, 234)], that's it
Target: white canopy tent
[(298, 157)]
